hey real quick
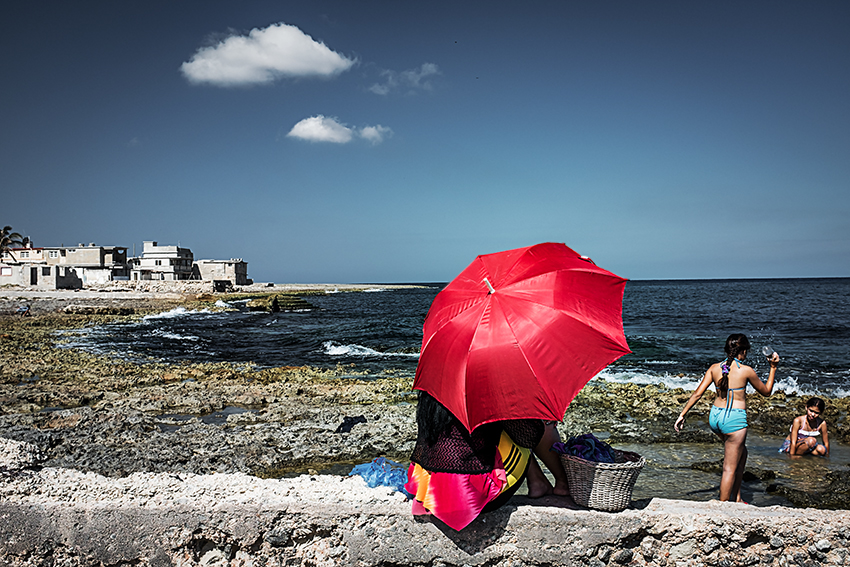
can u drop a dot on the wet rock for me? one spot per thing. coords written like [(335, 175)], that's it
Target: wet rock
[(119, 444), (96, 310), (750, 473), (835, 494), (279, 302)]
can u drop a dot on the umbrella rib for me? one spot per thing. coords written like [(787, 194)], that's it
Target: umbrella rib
[(595, 329), (448, 321), (528, 362)]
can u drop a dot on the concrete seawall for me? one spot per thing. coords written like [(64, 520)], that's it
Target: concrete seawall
[(65, 517)]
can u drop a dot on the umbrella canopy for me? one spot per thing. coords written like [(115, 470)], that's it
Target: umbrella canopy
[(518, 333)]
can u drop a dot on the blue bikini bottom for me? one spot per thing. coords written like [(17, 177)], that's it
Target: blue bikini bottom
[(725, 421)]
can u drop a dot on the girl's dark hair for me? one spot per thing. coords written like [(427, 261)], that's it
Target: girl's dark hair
[(432, 417), (816, 402), (735, 345)]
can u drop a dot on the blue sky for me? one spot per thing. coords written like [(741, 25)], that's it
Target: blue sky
[(395, 141)]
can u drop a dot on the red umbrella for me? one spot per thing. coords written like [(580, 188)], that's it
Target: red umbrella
[(518, 333)]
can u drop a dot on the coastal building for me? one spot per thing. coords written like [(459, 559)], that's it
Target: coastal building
[(64, 267), (170, 263), (234, 271), (72, 267)]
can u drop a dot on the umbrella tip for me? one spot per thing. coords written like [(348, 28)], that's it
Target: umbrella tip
[(489, 285)]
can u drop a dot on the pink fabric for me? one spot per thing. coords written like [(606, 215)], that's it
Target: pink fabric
[(456, 499)]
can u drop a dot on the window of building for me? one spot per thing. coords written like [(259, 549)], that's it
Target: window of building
[(25, 254), (159, 262), (5, 271), (45, 271), (52, 253)]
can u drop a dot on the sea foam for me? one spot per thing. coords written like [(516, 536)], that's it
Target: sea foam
[(176, 312), (335, 349)]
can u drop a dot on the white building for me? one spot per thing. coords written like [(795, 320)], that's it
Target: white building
[(162, 263), (234, 270), (64, 267)]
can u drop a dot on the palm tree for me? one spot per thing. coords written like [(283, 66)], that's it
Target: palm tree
[(9, 240)]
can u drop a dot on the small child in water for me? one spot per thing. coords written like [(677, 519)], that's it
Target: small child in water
[(805, 430)]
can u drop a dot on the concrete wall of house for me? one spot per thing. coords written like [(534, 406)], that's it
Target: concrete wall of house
[(23, 255), (164, 262), (235, 271), (28, 254), (12, 274), (55, 256), (84, 256), (91, 255), (42, 276), (95, 275)]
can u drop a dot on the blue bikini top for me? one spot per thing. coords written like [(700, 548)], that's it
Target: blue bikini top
[(729, 399)]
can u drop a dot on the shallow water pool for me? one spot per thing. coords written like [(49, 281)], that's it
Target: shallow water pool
[(668, 472)]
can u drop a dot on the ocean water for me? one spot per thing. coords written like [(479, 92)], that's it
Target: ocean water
[(675, 329)]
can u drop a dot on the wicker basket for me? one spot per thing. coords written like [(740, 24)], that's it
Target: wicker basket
[(603, 486)]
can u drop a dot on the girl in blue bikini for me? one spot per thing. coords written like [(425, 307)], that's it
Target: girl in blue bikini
[(728, 416)]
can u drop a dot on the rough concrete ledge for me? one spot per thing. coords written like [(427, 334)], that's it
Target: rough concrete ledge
[(186, 520)]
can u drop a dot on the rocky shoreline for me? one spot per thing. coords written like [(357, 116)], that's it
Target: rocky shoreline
[(79, 419)]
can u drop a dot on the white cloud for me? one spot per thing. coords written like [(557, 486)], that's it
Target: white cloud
[(375, 134), (280, 50), (411, 80), (324, 129), (321, 129), (381, 89)]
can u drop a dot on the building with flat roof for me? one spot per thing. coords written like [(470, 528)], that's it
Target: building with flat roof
[(157, 262), (234, 270), (64, 267)]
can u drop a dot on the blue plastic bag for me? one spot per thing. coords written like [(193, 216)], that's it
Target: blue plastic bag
[(383, 472)]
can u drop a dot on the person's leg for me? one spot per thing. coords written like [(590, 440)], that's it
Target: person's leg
[(552, 460), (733, 449), (819, 450), (739, 473), (538, 484), (805, 446)]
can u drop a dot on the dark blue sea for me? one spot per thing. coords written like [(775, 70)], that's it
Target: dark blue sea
[(675, 328)]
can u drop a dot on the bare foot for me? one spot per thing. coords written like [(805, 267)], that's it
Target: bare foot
[(538, 489), (561, 489)]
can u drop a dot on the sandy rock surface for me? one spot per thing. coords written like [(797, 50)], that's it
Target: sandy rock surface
[(57, 516)]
